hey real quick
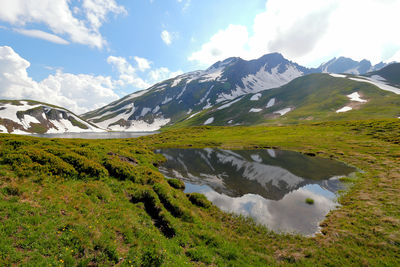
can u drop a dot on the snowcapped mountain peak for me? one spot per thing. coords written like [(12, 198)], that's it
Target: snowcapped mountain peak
[(198, 90), (350, 66)]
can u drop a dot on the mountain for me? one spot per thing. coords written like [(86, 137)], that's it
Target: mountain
[(314, 97), (347, 65), (389, 74), (24, 117), (186, 95)]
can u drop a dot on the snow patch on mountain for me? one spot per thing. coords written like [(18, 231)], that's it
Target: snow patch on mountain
[(104, 124), (181, 93), (166, 100), (206, 95), (209, 121), (156, 109), (27, 120), (136, 94), (255, 109), (378, 83), (283, 111), (356, 97), (9, 111), (227, 105), (262, 80), (337, 75), (344, 109), (176, 82), (271, 103), (213, 76), (378, 78), (145, 111), (194, 114), (255, 97), (141, 126)]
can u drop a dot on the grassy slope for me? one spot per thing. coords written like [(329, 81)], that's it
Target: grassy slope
[(90, 207), (316, 97)]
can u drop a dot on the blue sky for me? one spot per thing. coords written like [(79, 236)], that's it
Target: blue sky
[(136, 33), (83, 54)]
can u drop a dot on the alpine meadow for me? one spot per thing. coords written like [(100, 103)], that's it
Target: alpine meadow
[(199, 133)]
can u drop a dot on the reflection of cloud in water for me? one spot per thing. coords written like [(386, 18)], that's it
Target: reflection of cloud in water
[(290, 214)]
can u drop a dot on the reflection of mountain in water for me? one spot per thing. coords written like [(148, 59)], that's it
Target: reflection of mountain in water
[(269, 173)]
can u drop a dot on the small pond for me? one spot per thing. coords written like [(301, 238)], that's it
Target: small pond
[(269, 185), (94, 135)]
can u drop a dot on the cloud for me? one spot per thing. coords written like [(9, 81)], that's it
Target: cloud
[(80, 23), (143, 64), (79, 93), (166, 37), (42, 35), (128, 76), (161, 74), (310, 31), (224, 44)]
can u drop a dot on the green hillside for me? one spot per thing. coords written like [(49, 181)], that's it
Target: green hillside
[(315, 97)]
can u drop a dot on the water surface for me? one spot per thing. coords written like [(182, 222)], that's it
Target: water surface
[(93, 135), (269, 185)]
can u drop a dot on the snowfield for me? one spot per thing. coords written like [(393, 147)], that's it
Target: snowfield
[(344, 109), (262, 80), (378, 83), (356, 97), (337, 75), (255, 109), (255, 97), (271, 103), (209, 121), (283, 111), (227, 105), (141, 126)]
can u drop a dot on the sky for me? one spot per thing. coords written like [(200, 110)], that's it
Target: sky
[(84, 54)]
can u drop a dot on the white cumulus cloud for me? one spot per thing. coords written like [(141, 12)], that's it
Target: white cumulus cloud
[(311, 31), (79, 93), (128, 76), (81, 24), (143, 64)]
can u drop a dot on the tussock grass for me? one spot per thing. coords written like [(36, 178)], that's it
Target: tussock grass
[(103, 202)]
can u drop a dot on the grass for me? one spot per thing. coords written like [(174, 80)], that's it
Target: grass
[(309, 201), (103, 202)]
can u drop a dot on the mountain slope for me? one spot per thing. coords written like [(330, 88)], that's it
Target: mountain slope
[(23, 117), (349, 66), (389, 74), (187, 94), (315, 97)]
